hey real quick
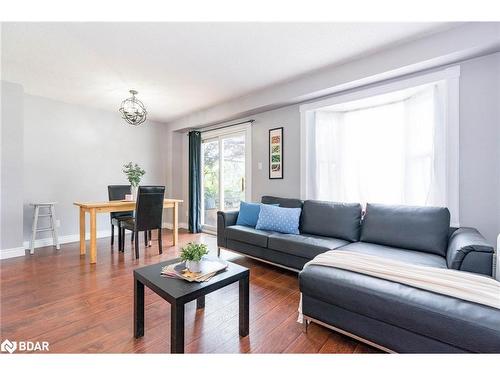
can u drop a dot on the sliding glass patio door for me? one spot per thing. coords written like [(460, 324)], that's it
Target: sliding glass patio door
[(225, 173)]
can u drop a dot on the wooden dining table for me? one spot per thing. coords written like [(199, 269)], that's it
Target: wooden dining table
[(94, 208)]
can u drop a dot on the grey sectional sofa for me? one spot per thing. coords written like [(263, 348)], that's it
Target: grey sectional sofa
[(389, 315)]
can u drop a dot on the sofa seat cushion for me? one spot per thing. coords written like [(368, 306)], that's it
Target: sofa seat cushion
[(303, 245), (247, 235), (394, 253), (460, 323)]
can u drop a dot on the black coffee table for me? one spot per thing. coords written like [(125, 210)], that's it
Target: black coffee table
[(179, 292)]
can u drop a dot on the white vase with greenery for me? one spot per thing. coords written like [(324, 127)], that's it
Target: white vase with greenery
[(134, 174), (192, 254)]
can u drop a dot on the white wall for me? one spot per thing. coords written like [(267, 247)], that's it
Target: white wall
[(71, 153), (288, 118), (479, 147), (180, 172), (11, 212)]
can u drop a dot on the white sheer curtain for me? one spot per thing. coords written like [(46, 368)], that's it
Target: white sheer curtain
[(391, 152)]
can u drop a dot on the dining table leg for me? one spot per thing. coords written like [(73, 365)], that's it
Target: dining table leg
[(175, 223), (93, 245), (82, 231)]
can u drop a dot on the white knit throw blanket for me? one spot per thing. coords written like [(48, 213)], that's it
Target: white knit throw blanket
[(463, 285)]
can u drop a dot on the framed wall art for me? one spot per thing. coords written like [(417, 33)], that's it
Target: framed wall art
[(276, 153)]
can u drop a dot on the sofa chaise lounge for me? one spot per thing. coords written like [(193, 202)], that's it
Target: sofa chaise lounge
[(386, 314)]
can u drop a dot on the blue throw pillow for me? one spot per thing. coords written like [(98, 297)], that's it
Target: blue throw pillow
[(249, 213), (279, 219)]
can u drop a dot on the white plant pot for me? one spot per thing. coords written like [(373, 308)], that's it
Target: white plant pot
[(134, 192), (193, 265)]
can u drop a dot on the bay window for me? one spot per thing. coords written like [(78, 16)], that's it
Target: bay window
[(393, 144)]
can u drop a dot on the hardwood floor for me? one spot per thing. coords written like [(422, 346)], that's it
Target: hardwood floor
[(57, 296)]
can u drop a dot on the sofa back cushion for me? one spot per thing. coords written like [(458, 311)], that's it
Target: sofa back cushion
[(330, 219), (409, 227), (282, 202)]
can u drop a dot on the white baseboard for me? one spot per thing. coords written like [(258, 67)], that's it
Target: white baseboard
[(12, 253), (42, 242)]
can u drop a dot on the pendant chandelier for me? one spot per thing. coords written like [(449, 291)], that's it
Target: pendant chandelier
[(132, 110)]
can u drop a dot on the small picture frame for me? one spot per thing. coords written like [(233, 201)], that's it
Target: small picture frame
[(276, 153)]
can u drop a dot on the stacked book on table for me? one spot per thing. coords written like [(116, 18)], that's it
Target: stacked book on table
[(209, 268)]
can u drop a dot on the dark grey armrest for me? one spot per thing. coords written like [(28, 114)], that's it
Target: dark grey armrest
[(469, 251), (224, 220)]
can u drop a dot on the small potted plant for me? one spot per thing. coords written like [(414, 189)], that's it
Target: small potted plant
[(134, 174), (192, 254)]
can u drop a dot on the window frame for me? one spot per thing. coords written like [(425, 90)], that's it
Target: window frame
[(450, 75), (220, 135)]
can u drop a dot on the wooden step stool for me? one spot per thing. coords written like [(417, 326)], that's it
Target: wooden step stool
[(51, 214)]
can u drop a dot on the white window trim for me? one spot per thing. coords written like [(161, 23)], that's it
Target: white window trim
[(451, 75)]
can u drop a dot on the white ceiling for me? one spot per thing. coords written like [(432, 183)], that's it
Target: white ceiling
[(179, 68)]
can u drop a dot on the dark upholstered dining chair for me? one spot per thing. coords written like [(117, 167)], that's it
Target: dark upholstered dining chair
[(117, 193), (148, 215)]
